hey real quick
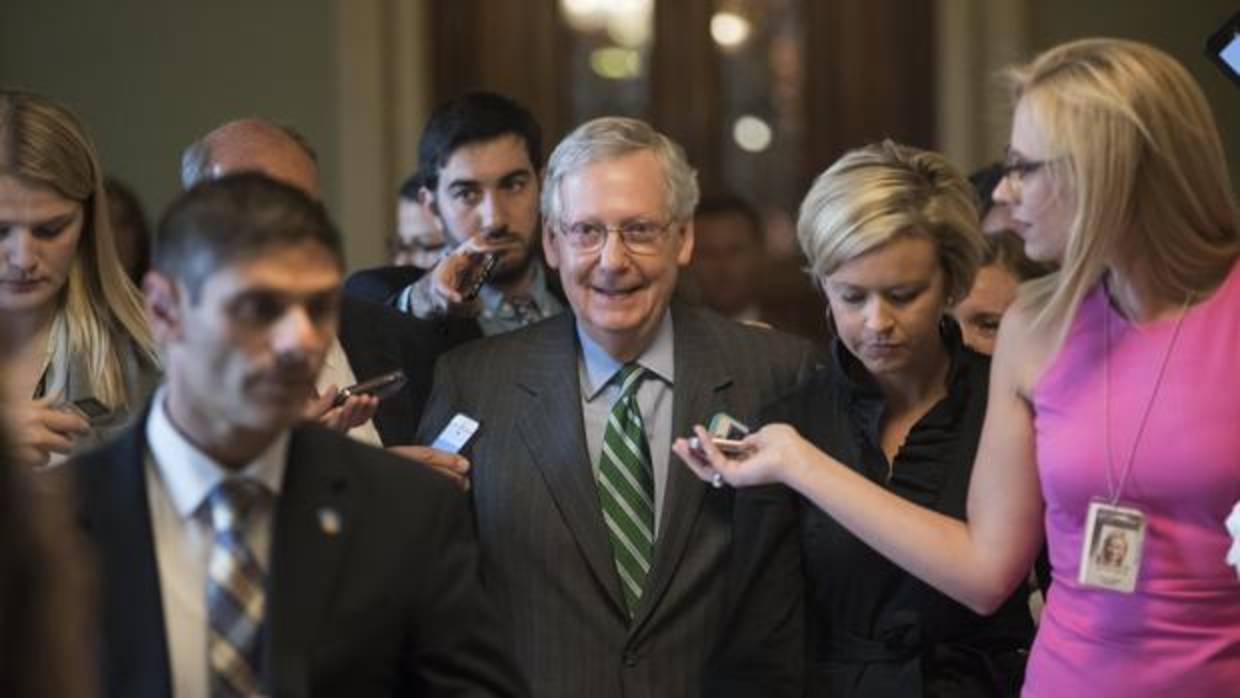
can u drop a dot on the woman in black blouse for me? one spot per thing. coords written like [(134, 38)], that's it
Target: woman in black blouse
[(893, 239)]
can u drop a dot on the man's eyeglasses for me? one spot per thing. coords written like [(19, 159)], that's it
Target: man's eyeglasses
[(639, 236)]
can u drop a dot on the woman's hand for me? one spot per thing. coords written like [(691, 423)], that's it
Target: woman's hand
[(40, 430), (774, 454)]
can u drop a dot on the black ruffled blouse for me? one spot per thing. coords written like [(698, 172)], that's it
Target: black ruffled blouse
[(874, 629)]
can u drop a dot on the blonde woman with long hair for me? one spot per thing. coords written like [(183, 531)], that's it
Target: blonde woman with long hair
[(1114, 396), (83, 357)]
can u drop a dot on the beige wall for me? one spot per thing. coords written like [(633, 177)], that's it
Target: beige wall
[(1179, 27), (148, 76), (977, 38), (353, 75)]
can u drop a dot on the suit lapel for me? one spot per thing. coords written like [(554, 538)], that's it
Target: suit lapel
[(315, 517), (700, 390), (116, 514), (550, 424)]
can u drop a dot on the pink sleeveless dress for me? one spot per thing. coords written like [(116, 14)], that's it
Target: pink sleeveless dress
[(1178, 634)]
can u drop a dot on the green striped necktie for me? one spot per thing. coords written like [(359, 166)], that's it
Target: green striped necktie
[(626, 487)]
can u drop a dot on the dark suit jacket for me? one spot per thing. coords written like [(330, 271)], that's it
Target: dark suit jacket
[(381, 284), (376, 340), (391, 605), (547, 560)]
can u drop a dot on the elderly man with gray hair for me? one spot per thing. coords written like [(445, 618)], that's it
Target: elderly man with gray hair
[(622, 576)]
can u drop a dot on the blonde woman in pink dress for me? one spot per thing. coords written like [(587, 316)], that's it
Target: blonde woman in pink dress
[(1114, 403)]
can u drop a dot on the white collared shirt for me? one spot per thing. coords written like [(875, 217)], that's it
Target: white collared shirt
[(179, 478), (337, 371)]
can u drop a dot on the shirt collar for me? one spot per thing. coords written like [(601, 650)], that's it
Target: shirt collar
[(493, 299), (658, 358), (189, 475)]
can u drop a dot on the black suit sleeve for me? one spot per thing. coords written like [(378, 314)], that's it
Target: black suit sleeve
[(762, 650), (443, 402), (457, 646)]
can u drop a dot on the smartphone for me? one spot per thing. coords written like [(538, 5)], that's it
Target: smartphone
[(94, 411), (382, 386), (1223, 47), (476, 273), (727, 434), (729, 447), (457, 434)]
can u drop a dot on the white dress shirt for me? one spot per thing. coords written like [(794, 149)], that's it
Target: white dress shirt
[(179, 478)]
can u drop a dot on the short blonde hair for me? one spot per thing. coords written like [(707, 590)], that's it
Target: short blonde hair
[(43, 145), (885, 191), (1136, 141)]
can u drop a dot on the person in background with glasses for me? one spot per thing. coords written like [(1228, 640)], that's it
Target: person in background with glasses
[(620, 575), (1114, 397), (418, 240)]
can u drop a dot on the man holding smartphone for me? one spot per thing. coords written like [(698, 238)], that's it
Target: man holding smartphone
[(478, 159)]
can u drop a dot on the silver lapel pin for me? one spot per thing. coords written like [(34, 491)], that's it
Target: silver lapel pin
[(329, 521)]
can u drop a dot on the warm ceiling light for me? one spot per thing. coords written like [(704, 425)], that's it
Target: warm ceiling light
[(752, 134), (615, 63), (585, 15), (729, 29)]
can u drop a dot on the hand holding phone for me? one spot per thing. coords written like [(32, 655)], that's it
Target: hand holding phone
[(477, 271), (457, 434), (382, 386), (90, 409), (727, 435)]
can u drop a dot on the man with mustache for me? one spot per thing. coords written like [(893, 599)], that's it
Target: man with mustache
[(479, 158), (241, 554), (620, 573)]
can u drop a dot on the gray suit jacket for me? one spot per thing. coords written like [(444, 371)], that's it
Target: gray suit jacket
[(547, 560)]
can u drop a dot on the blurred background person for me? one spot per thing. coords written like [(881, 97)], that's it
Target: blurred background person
[(996, 216), (130, 229), (1004, 268), (728, 257), (74, 316), (419, 240)]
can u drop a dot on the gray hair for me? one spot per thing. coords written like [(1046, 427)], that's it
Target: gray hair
[(612, 137)]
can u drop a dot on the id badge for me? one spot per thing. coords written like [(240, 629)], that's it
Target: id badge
[(1111, 547)]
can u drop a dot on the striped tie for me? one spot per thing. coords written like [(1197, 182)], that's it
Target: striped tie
[(626, 487), (234, 593)]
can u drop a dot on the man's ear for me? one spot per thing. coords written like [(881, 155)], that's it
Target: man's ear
[(426, 198), (162, 300), (551, 252), (685, 254)]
